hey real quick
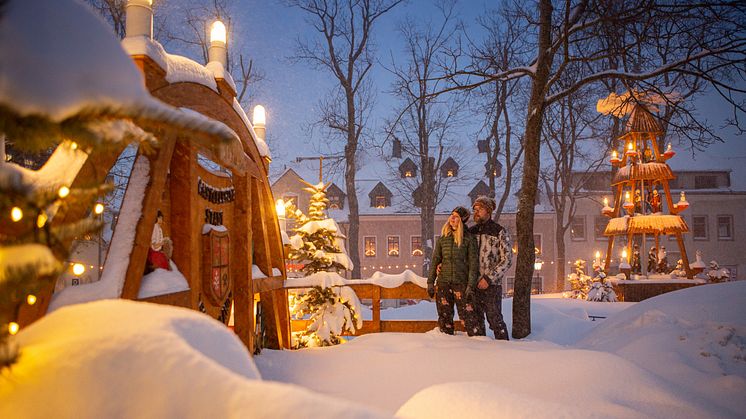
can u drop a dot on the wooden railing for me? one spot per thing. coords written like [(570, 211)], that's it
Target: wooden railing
[(376, 293)]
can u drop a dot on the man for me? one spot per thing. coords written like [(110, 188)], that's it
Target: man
[(495, 258)]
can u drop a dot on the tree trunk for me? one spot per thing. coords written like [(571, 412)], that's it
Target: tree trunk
[(532, 145), (350, 172), (560, 241)]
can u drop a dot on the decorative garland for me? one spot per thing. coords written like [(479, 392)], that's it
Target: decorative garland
[(213, 194)]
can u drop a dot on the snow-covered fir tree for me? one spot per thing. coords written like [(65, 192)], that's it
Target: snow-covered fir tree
[(600, 288), (580, 283), (318, 244)]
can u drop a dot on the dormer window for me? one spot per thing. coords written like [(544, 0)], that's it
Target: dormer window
[(407, 168), (336, 197), (483, 146), (449, 168), (481, 188), (380, 196)]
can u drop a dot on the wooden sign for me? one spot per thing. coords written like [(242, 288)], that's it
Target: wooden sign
[(216, 278)]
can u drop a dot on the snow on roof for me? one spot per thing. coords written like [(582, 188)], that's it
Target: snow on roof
[(179, 69)]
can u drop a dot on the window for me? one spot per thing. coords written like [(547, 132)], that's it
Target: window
[(599, 226), (408, 173), (725, 227), (450, 173), (508, 286), (335, 202), (537, 243), (577, 228), (416, 245), (705, 182), (699, 227), (370, 246), (380, 201), (392, 247)]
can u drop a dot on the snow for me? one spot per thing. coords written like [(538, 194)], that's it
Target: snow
[(312, 227), (131, 359), (257, 273), (219, 72), (680, 354), (178, 69), (676, 355), (331, 279), (117, 260), (89, 67), (162, 282), (206, 228), (16, 258)]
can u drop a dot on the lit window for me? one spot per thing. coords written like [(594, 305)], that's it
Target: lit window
[(393, 245), (725, 227), (449, 173), (408, 173), (416, 246), (699, 227), (335, 202), (599, 226), (380, 201), (370, 246)]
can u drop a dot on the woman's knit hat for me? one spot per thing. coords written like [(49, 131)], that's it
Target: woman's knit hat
[(463, 213)]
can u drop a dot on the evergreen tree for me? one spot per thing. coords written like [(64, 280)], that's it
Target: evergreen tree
[(317, 241), (41, 212), (580, 283), (600, 288), (330, 314)]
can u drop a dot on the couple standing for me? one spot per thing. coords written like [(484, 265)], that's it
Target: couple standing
[(470, 264)]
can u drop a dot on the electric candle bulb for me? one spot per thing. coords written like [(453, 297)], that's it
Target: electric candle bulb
[(606, 202), (218, 32), (41, 220), (16, 214), (98, 208), (31, 299), (13, 328)]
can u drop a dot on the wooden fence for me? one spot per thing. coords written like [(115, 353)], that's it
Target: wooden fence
[(376, 293)]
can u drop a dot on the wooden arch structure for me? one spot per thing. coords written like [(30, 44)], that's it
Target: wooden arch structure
[(176, 186)]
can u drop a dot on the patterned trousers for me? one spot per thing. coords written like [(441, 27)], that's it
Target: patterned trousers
[(446, 296), (489, 302)]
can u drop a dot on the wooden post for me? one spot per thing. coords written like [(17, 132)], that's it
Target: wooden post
[(159, 164), (243, 294)]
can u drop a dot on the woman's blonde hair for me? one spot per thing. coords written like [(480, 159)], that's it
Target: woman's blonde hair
[(458, 234)]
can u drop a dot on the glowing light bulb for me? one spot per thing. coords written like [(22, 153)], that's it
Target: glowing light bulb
[(624, 254), (280, 207), (260, 115), (606, 202), (598, 254), (614, 155), (217, 32), (78, 269), (16, 214), (31, 299), (13, 328), (626, 196), (73, 145), (98, 208), (629, 146), (63, 192), (41, 220)]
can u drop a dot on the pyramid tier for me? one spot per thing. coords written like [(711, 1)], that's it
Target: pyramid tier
[(643, 171), (646, 224)]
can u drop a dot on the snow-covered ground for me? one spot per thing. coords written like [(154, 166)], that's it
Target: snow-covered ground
[(682, 354)]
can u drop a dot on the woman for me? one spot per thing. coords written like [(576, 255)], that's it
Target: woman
[(456, 254)]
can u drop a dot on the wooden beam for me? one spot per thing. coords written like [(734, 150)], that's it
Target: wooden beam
[(243, 295), (159, 163)]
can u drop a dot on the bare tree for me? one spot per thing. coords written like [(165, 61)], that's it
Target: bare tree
[(344, 49), (499, 99), (576, 139), (424, 125), (708, 41)]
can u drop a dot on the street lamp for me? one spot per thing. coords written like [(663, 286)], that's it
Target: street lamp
[(280, 208), (537, 266)]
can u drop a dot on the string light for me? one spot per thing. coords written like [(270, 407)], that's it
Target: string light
[(63, 192), (73, 145), (98, 208), (13, 328), (16, 214), (41, 220), (31, 299)]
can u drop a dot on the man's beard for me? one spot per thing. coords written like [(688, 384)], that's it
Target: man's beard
[(480, 220)]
